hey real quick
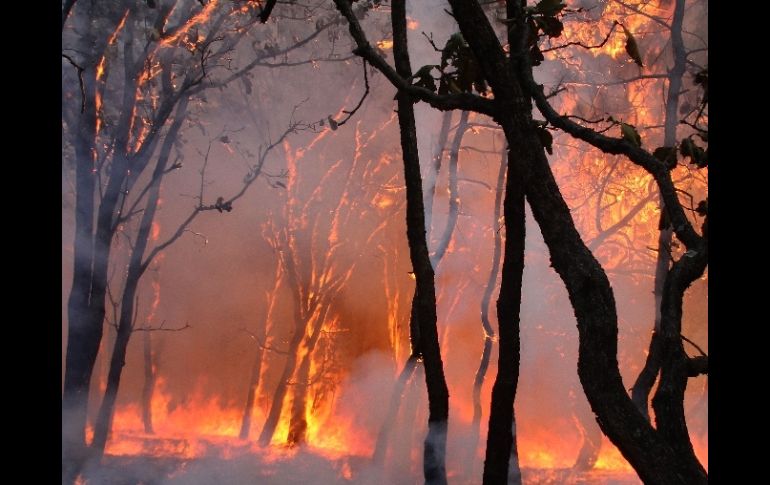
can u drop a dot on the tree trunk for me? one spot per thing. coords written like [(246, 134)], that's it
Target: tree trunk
[(381, 446), (434, 468), (268, 429), (587, 285), (454, 198), (397, 395), (434, 169), (136, 269), (84, 332), (298, 419), (248, 408), (668, 402), (488, 331), (501, 422), (640, 392)]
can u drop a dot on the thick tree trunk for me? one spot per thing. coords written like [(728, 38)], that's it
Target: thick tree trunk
[(668, 402), (500, 436), (488, 331), (434, 467)]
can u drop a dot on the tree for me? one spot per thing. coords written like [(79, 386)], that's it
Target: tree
[(131, 79), (656, 454)]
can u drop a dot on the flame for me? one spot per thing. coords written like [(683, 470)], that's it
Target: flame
[(603, 189)]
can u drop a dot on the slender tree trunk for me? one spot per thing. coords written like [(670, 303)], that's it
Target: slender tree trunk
[(248, 408), (404, 377), (640, 392), (592, 443), (136, 269), (298, 420), (397, 395), (488, 331), (500, 436), (434, 467), (434, 169), (273, 416), (149, 384), (454, 198)]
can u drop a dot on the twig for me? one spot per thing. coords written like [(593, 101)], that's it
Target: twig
[(161, 329), (694, 345), (580, 44), (360, 102), (263, 345)]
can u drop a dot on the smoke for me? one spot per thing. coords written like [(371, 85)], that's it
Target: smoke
[(218, 277)]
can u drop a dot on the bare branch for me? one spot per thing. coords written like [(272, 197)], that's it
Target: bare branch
[(360, 102), (660, 172), (580, 44)]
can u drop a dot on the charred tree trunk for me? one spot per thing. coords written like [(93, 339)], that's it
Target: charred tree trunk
[(149, 384), (500, 442), (640, 392), (434, 468), (136, 268), (489, 332)]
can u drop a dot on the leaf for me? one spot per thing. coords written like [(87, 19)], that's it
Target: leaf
[(332, 123), (549, 7), (667, 155), (632, 49), (629, 133), (703, 207), (546, 139), (698, 156), (425, 78), (535, 56), (551, 26)]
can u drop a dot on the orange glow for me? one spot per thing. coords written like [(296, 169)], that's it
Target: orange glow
[(615, 206)]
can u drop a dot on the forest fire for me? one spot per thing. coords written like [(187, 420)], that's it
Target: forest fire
[(287, 334)]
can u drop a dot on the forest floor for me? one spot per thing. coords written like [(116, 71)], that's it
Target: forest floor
[(302, 467)]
